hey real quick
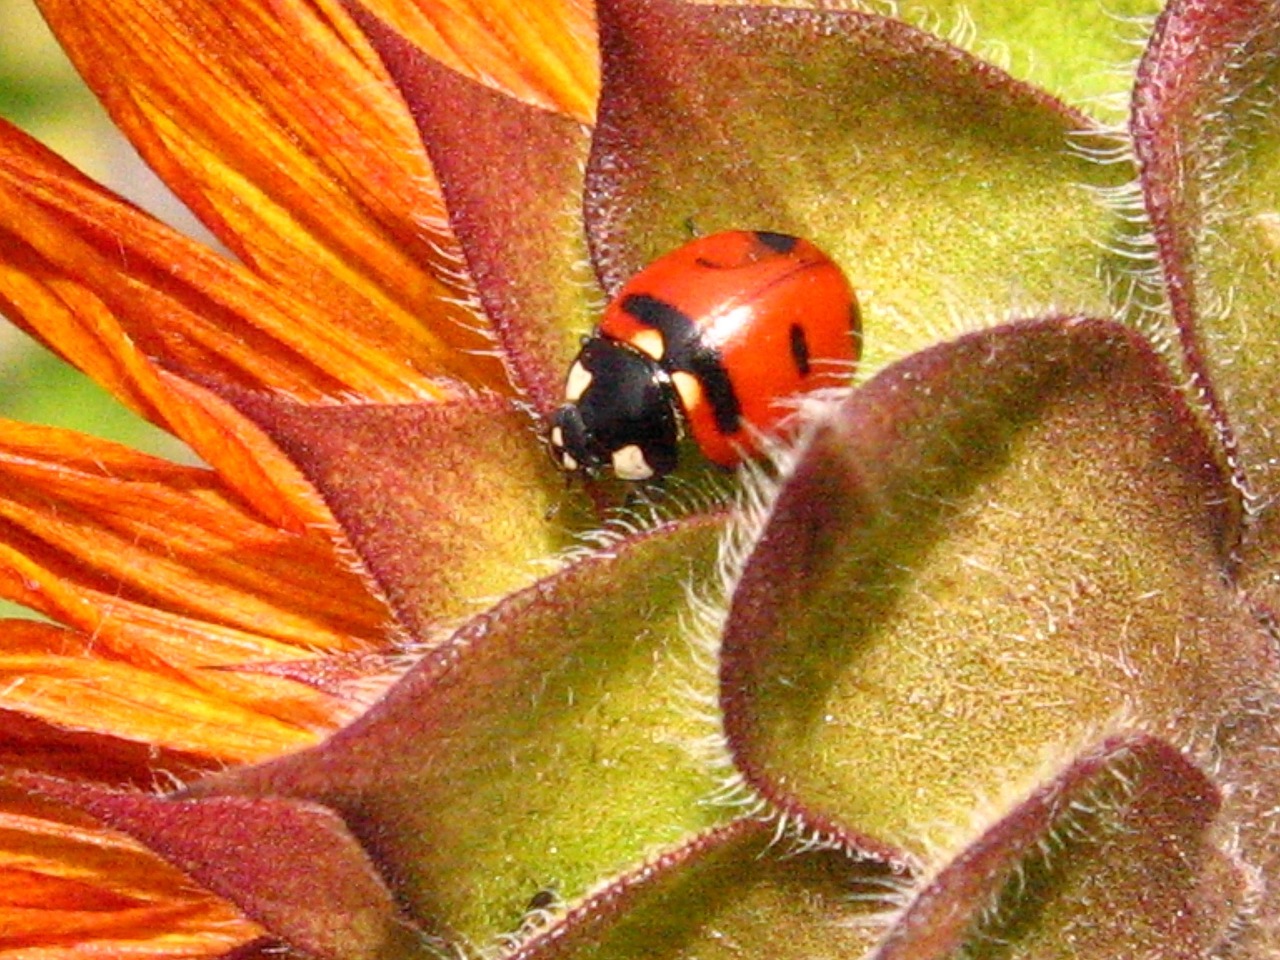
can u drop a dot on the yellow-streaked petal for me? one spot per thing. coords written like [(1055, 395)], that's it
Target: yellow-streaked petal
[(71, 891), (168, 573), (174, 645), (75, 261), (79, 327), (543, 53), (113, 291), (169, 536), (278, 126), (53, 674), (243, 457)]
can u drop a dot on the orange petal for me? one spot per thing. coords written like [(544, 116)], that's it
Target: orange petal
[(276, 123), (113, 291), (244, 459), (168, 536), (80, 328), (173, 646), (72, 688), (69, 891), (182, 650), (75, 261), (167, 573), (543, 53), (30, 743)]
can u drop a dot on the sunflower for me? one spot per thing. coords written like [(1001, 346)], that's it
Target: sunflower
[(981, 663)]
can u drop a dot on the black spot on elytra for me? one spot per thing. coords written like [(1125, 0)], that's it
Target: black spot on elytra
[(781, 242), (800, 349), (684, 350)]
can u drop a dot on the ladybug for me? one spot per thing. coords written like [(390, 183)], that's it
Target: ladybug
[(713, 338)]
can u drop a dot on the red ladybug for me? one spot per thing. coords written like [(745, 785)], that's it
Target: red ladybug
[(716, 336)]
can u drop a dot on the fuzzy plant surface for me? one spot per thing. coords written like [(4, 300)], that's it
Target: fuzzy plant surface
[(983, 664)]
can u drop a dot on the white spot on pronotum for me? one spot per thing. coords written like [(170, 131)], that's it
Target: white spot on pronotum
[(568, 462), (577, 382), (689, 387), (650, 342), (557, 438), (629, 463)]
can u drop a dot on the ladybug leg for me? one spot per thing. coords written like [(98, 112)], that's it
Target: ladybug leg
[(634, 500), (645, 493)]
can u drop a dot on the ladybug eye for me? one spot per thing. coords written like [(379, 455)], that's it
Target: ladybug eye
[(559, 449), (570, 446)]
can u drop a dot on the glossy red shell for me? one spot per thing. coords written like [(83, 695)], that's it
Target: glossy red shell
[(745, 292)]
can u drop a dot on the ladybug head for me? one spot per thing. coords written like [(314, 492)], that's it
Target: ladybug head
[(619, 414)]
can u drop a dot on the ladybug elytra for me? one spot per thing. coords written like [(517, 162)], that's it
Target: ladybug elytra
[(715, 337)]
